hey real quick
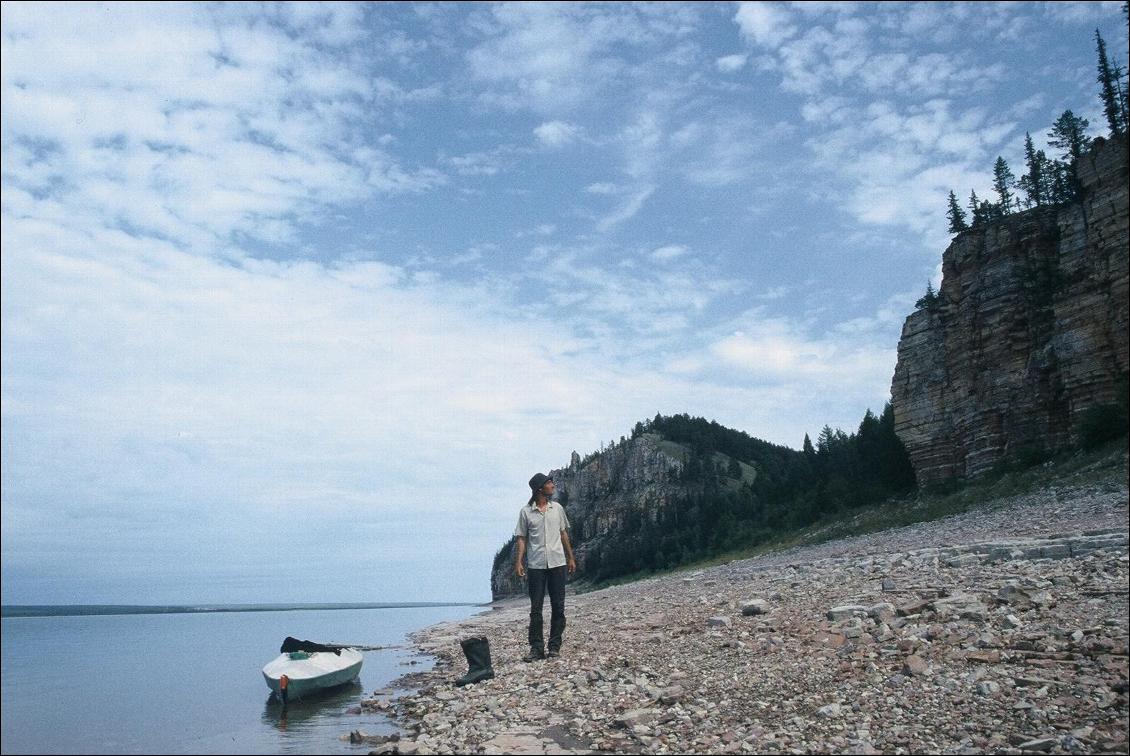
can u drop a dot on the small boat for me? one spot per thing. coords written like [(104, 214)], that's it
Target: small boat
[(298, 671)]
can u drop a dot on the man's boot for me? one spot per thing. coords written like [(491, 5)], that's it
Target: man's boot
[(477, 651), (536, 654)]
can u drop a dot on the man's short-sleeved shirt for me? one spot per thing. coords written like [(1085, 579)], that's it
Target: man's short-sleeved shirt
[(542, 531)]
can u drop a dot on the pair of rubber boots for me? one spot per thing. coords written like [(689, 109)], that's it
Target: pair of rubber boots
[(477, 651)]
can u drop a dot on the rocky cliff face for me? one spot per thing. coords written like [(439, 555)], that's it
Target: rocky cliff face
[(1029, 331), (637, 477)]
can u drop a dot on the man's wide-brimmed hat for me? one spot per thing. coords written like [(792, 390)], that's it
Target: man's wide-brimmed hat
[(538, 481)]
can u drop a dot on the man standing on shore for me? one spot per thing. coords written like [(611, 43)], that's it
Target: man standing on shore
[(542, 524)]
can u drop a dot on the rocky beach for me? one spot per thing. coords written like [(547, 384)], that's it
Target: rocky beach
[(1000, 630)]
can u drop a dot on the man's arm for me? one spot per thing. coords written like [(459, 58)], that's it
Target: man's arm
[(519, 568), (568, 552)]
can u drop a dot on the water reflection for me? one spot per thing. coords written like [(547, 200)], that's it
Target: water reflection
[(316, 706)]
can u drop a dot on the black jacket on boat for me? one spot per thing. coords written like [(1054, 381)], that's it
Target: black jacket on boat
[(293, 644)]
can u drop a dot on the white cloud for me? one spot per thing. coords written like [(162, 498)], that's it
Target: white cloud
[(773, 349), (776, 292), (542, 229), (485, 162), (765, 24), (186, 129), (889, 132), (556, 57), (557, 133), (602, 187), (626, 210), (729, 151), (669, 252), (731, 63), (1073, 11)]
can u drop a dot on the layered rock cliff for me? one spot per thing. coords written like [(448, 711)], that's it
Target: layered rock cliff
[(633, 480), (1028, 332)]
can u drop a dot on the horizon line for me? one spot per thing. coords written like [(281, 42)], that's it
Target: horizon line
[(74, 610)]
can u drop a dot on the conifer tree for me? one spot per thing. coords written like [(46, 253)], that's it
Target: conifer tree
[(1062, 182), (927, 300), (1114, 100), (825, 440), (1047, 175), (956, 215), (975, 209), (1003, 181), (1069, 133), (1032, 182)]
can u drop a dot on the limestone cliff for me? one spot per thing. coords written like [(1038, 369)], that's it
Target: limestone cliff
[(1028, 332), (634, 479)]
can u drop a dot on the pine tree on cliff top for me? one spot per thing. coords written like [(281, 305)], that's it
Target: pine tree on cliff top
[(1069, 133), (1034, 183), (1113, 97), (927, 300), (1003, 181), (975, 205), (956, 215)]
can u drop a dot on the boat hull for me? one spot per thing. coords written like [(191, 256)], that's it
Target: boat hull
[(317, 671)]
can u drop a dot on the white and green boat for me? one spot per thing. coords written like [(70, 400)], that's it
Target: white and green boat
[(309, 671)]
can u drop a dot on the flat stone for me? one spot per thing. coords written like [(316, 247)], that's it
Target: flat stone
[(719, 621), (833, 639), (829, 711), (1014, 595), (754, 607), (881, 612), (915, 666), (837, 613), (962, 605), (988, 688), (633, 717), (519, 744), (914, 606)]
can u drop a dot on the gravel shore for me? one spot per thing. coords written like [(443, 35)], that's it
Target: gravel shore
[(1002, 630)]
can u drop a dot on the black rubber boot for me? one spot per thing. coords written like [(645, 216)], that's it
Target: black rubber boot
[(477, 651)]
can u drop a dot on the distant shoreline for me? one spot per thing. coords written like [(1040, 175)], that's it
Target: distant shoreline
[(95, 610)]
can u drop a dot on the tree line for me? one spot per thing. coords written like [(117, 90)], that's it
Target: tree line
[(721, 509), (1048, 181)]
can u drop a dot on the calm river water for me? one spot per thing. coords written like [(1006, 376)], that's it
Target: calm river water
[(190, 683)]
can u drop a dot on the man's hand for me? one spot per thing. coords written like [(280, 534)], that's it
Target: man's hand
[(520, 569), (568, 552)]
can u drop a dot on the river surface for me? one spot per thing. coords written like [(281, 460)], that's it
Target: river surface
[(191, 683)]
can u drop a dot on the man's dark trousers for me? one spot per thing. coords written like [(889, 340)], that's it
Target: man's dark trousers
[(553, 580)]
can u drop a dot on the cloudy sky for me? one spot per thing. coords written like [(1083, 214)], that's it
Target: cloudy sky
[(296, 298)]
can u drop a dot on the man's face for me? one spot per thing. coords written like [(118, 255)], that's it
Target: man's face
[(548, 488)]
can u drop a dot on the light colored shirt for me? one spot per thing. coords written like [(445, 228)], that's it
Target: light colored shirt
[(542, 531)]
